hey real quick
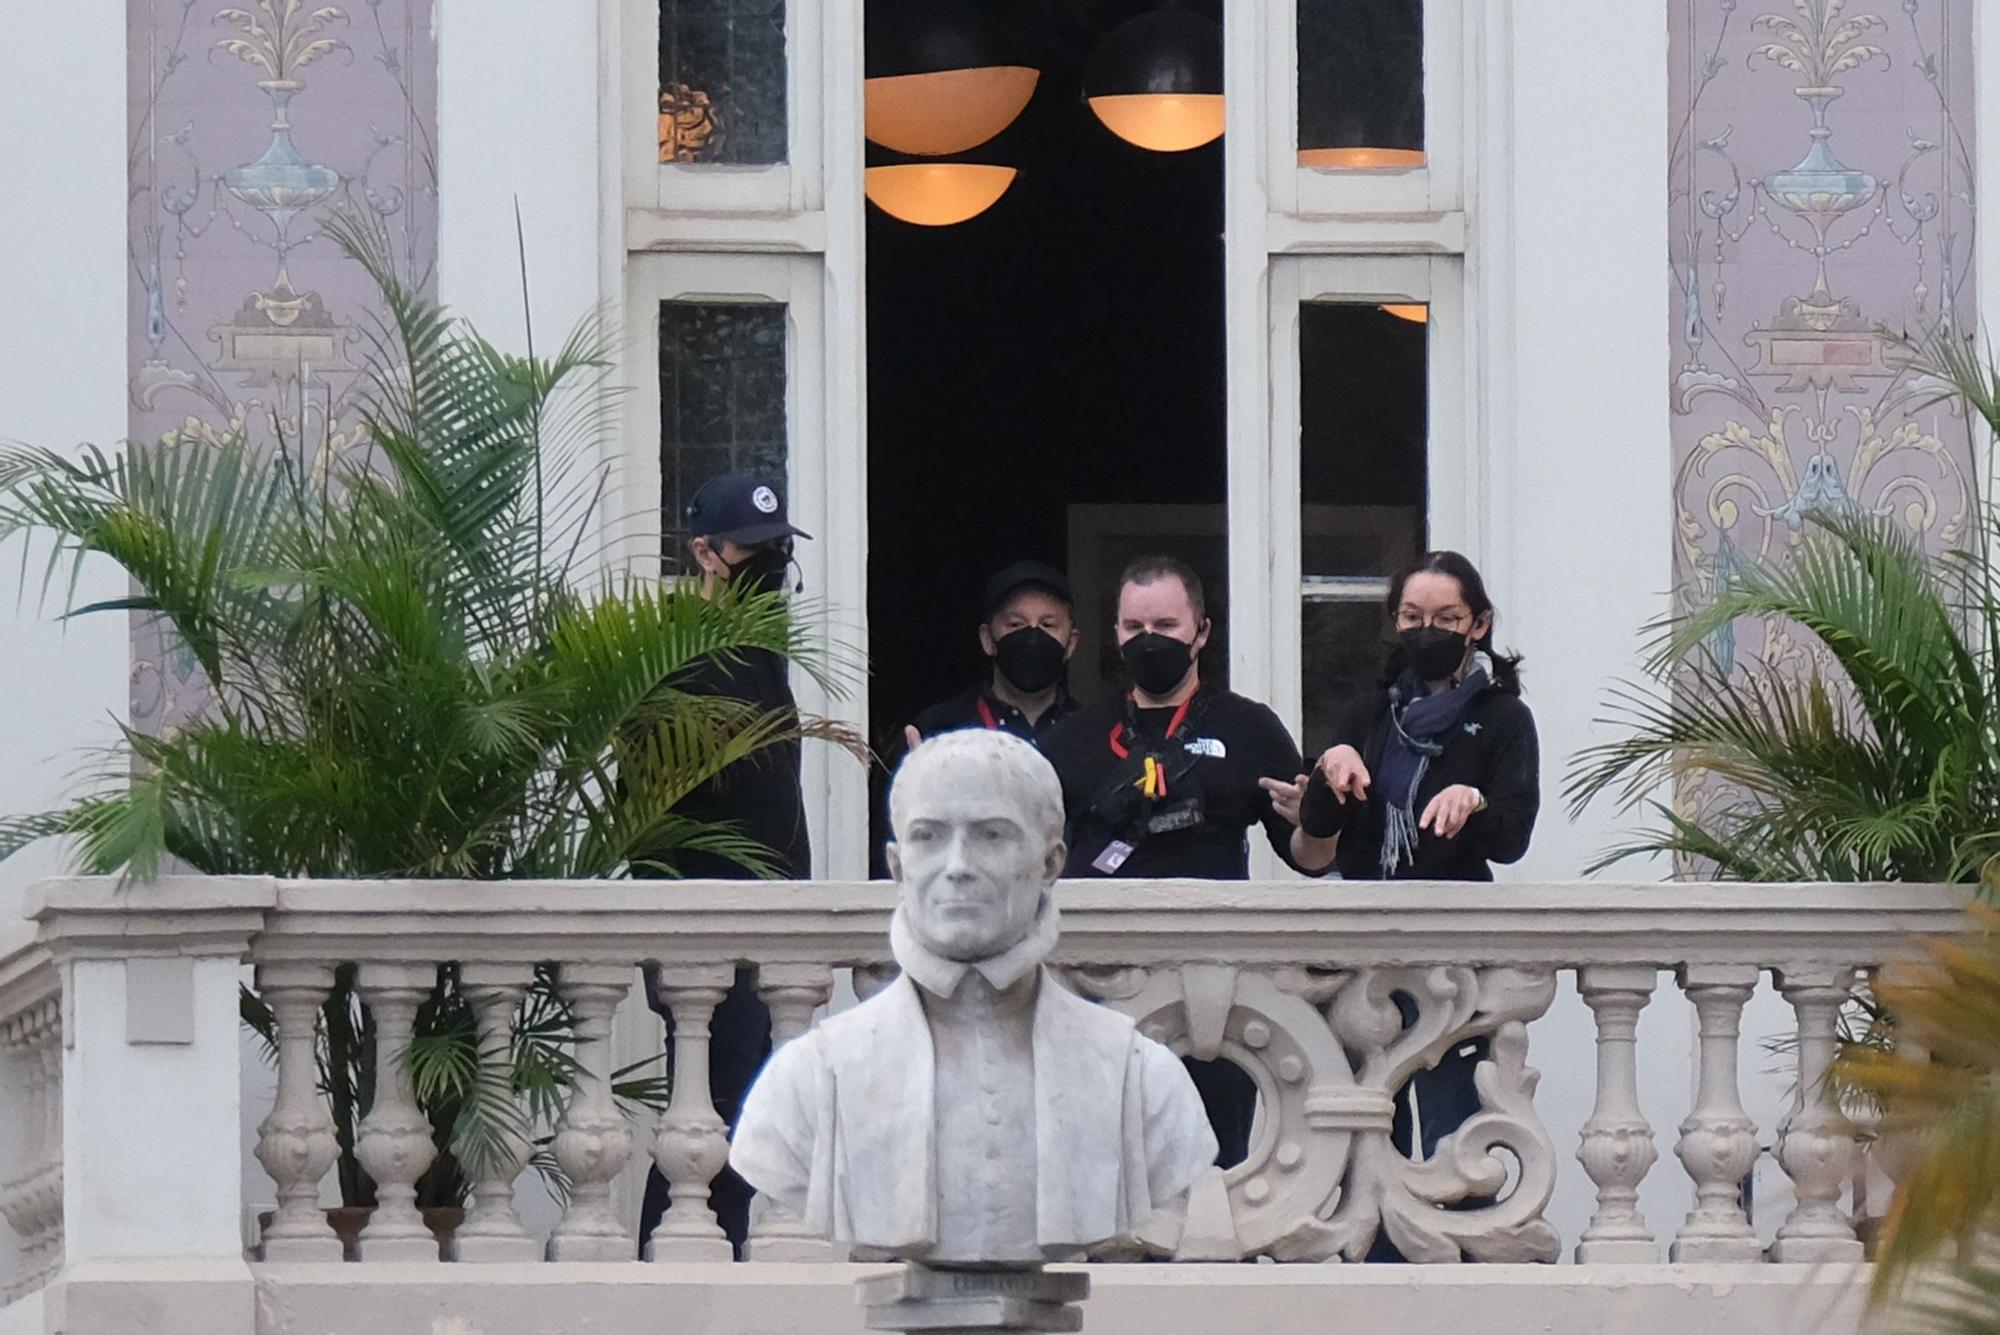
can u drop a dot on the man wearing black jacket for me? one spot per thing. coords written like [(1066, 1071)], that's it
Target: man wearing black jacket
[(742, 536), (1028, 635), (1168, 779)]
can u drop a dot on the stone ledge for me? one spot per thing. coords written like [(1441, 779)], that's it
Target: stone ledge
[(160, 1296), (766, 1299)]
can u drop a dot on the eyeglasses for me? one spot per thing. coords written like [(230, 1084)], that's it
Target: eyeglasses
[(1451, 619)]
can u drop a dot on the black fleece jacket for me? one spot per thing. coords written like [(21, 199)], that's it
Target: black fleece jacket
[(1494, 750)]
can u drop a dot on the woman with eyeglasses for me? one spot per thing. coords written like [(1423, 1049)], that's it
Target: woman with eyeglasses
[(1434, 776)]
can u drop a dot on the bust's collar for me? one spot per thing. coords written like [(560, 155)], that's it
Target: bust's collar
[(941, 977)]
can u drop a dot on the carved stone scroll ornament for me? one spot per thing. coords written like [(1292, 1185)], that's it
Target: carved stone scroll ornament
[(1407, 1198), (1278, 1199), (1329, 1051)]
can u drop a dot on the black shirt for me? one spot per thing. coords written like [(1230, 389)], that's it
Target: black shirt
[(1223, 746), (964, 710), (1494, 749), (760, 794)]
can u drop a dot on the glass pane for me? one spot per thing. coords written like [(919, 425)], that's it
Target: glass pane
[(722, 81), (1361, 83), (1362, 487), (722, 401)]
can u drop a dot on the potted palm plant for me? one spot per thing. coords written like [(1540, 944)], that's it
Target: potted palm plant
[(1885, 768), (417, 667)]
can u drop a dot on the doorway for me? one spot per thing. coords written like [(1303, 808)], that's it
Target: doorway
[(1045, 382)]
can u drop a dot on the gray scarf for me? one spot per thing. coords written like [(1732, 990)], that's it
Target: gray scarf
[(1417, 722)]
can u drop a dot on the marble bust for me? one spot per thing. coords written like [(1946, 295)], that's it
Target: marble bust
[(975, 1111)]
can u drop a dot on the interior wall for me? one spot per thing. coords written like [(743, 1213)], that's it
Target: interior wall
[(1064, 348)]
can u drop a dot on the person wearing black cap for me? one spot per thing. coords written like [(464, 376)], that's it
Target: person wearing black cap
[(1029, 632), (742, 537)]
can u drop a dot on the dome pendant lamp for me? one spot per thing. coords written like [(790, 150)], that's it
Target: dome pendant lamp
[(1157, 81), (941, 76), (936, 194)]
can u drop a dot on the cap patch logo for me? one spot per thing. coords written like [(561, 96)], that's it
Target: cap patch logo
[(765, 500)]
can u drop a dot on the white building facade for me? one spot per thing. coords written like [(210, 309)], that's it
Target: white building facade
[(1579, 415)]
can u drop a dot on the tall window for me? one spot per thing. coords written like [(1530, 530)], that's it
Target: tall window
[(1349, 336), (741, 185)]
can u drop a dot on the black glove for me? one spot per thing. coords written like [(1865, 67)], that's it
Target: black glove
[(1321, 814)]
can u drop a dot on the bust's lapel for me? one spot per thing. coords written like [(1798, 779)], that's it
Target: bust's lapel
[(885, 1095), (1081, 1052)]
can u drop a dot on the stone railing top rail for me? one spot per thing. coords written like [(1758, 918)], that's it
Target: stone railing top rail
[(1339, 924), (27, 970)]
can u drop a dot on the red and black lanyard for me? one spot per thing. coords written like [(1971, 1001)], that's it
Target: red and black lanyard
[(1152, 780)]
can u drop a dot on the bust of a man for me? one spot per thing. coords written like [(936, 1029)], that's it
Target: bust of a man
[(974, 1111)]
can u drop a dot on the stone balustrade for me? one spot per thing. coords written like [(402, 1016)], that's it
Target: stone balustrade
[(31, 1122), (1329, 996)]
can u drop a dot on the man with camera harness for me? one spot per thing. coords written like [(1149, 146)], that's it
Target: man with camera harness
[(1166, 780)]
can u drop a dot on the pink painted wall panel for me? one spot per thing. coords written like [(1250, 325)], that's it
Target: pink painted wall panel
[(251, 121)]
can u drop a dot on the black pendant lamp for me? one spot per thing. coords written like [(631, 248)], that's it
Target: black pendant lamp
[(1157, 81), (943, 76), (1361, 84)]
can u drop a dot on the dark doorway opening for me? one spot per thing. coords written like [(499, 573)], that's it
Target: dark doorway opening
[(1062, 350)]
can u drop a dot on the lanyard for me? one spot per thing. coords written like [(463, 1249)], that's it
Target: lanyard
[(1122, 751), (986, 718)]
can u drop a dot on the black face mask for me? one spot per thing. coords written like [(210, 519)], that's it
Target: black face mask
[(763, 571), (1432, 653), (1030, 658), (1158, 663)]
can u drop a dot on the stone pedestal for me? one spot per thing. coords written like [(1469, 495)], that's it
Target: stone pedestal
[(919, 1299)]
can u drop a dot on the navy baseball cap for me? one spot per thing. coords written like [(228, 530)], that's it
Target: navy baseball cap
[(741, 507), (1026, 575)]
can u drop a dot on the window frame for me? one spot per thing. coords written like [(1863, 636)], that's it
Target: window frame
[(1295, 234), (793, 233), (1451, 468), (725, 231), (1438, 187), (794, 186)]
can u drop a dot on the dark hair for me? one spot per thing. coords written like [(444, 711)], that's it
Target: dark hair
[(1150, 569), (1506, 667)]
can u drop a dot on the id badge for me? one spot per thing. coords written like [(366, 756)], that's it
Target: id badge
[(1113, 857)]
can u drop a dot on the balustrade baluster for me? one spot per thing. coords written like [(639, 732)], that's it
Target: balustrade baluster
[(1718, 1144), (32, 1202), (24, 1064), (394, 1143), (792, 992), (1816, 1142), (492, 1230), (295, 1141), (692, 1144), (593, 1142), (1617, 1149), (50, 1190)]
